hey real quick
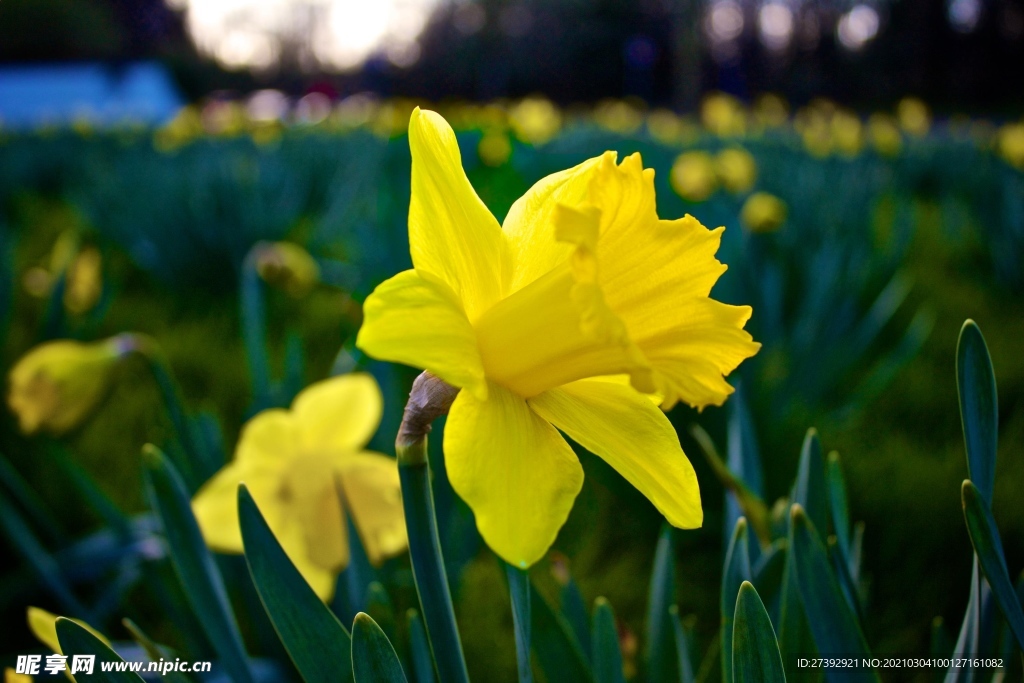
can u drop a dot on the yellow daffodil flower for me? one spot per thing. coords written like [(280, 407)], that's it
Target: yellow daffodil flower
[(43, 625), (736, 169), (12, 676), (763, 212), (84, 281), (565, 319), (494, 148), (287, 266), (693, 176), (535, 120), (914, 117), (618, 116), (56, 385), (885, 135), (1011, 144), (723, 115), (293, 462)]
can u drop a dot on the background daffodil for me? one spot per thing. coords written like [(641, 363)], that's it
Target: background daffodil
[(562, 319), (293, 462)]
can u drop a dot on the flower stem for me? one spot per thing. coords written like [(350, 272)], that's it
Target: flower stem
[(430, 398)]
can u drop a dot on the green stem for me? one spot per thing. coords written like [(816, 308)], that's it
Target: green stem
[(519, 593), (430, 398)]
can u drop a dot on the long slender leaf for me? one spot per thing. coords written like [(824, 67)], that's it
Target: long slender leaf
[(607, 656), (810, 489), (756, 656), (35, 555), (519, 593), (988, 546), (373, 657), (76, 640), (316, 641), (558, 652), (659, 652), (196, 570), (419, 649), (153, 651), (570, 601), (734, 574), (979, 410), (684, 646), (831, 621), (967, 640)]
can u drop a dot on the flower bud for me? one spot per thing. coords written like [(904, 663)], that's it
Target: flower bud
[(287, 266), (56, 385)]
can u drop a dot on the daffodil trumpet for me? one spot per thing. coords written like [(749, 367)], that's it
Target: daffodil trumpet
[(430, 398)]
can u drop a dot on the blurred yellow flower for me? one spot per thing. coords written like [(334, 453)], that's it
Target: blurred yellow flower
[(763, 212), (566, 318), (914, 117), (736, 169), (669, 129), (693, 176), (771, 111), (56, 385), (1011, 144), (847, 133), (494, 148), (287, 266), (723, 115), (535, 120), (43, 625), (294, 462), (618, 116), (885, 135), (12, 676), (186, 126), (83, 283)]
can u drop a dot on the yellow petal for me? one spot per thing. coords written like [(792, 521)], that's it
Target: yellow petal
[(452, 234), (631, 434), (409, 319), (215, 505), (373, 496), (294, 541), (311, 497), (514, 470), (339, 413), (269, 437), (530, 223)]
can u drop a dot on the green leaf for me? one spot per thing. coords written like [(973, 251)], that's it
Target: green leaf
[(658, 653), (193, 563), (684, 646), (153, 651), (979, 409), (829, 617), (981, 526), (43, 564), (419, 649), (970, 628), (838, 504), (570, 600), (316, 641), (373, 658), (810, 489), (607, 656), (558, 652), (734, 574), (380, 609), (519, 594), (756, 656), (76, 640)]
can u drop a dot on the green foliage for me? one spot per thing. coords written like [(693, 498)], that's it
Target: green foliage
[(756, 655), (315, 640), (373, 658)]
